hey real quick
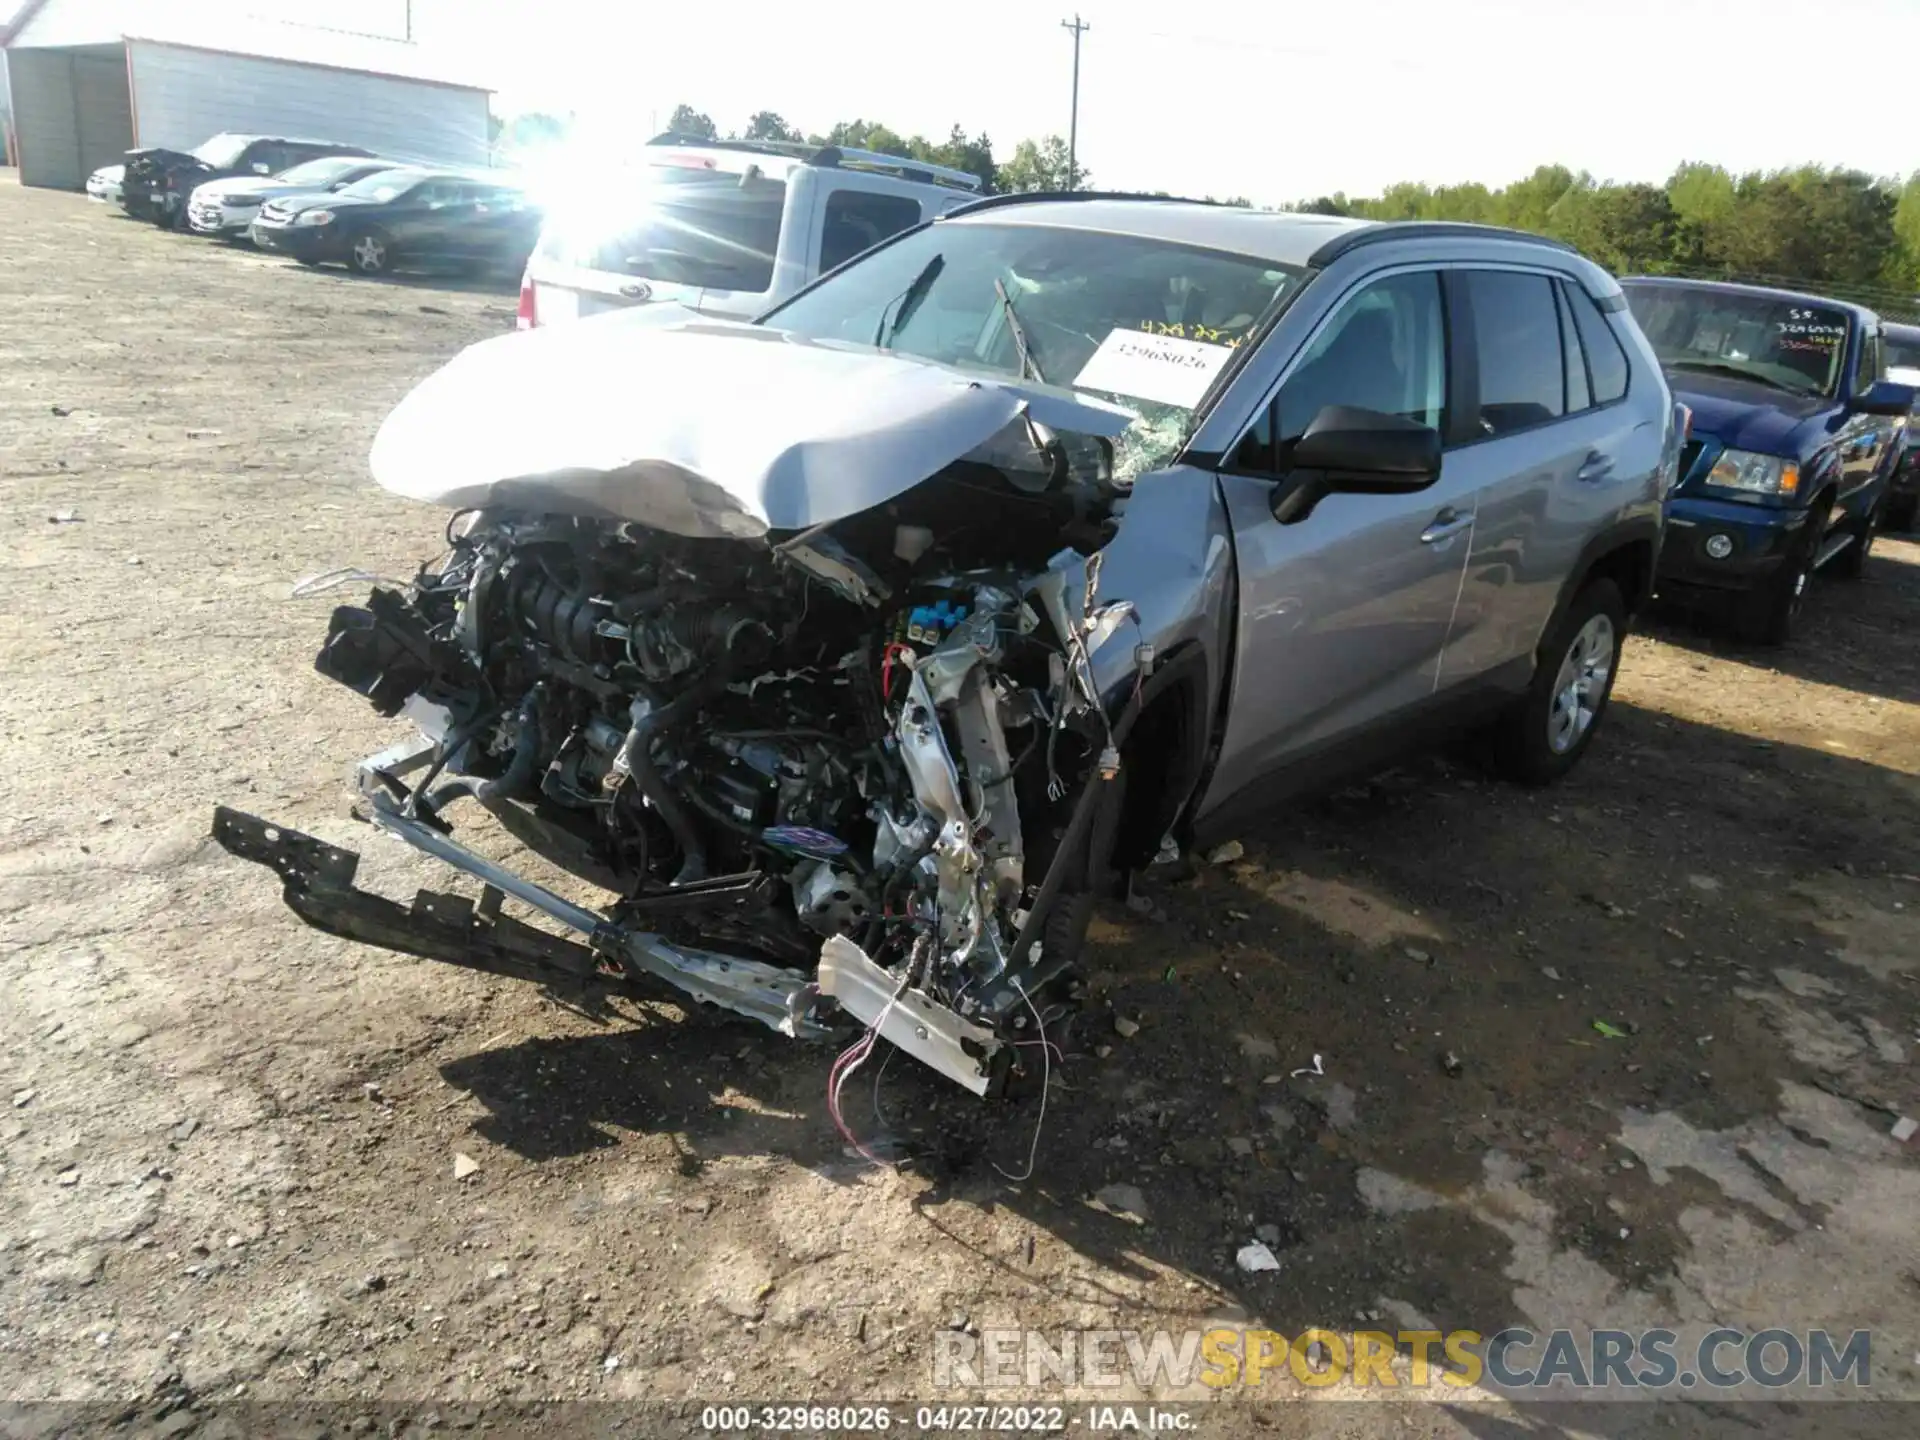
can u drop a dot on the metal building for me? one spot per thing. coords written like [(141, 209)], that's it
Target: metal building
[(92, 79)]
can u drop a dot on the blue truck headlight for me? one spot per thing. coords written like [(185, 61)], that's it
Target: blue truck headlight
[(1755, 474)]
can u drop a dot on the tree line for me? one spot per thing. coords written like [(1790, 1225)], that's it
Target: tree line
[(1839, 231)]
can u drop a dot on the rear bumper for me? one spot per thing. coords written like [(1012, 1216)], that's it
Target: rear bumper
[(1759, 542)]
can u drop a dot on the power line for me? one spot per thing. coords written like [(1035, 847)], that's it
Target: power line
[(1079, 27)]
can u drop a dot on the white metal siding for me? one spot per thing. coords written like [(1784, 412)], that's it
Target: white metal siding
[(45, 127), (181, 96), (72, 113), (104, 108)]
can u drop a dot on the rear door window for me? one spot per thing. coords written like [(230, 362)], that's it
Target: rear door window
[(1517, 351), (858, 220)]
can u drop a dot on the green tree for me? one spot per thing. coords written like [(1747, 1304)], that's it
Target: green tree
[(1039, 165), (1903, 266), (686, 120), (1629, 229), (1528, 204), (961, 152), (768, 125)]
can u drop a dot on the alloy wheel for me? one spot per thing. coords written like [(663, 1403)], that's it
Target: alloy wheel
[(1581, 686), (370, 254)]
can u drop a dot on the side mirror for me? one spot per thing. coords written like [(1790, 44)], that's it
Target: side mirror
[(1885, 397), (1349, 450)]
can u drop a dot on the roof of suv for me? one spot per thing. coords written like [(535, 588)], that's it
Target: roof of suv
[(1294, 238), (1861, 313)]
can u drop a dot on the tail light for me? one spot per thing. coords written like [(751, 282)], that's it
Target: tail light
[(526, 318)]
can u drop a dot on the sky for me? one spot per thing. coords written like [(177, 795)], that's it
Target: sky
[(1273, 101)]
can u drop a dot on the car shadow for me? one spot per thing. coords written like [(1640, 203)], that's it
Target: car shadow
[(1854, 635), (1333, 1042)]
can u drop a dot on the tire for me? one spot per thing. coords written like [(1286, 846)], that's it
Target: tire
[(1851, 563), (1783, 599), (1902, 510), (370, 253), (1543, 735)]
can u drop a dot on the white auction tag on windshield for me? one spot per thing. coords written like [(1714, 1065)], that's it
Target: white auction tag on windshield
[(1163, 368)]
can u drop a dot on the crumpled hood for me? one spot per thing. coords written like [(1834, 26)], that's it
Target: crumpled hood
[(695, 426), (1758, 418)]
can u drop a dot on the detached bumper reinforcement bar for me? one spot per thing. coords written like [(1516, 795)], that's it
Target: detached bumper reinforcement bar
[(317, 884)]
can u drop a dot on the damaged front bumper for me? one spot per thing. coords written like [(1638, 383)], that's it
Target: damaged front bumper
[(317, 883)]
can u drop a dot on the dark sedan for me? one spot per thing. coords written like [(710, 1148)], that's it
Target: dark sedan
[(405, 220)]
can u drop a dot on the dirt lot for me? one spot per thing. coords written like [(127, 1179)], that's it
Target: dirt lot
[(227, 1164)]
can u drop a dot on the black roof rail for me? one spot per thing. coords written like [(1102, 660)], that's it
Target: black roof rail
[(1382, 230), (904, 167), (1029, 197), (790, 149)]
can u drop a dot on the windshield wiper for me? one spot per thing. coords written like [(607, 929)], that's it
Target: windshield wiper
[(908, 300), (1015, 329), (1740, 372)]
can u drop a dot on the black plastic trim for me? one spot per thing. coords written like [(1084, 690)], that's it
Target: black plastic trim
[(1031, 197), (1381, 231)]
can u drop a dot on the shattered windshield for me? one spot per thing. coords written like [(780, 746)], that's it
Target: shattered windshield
[(1786, 344), (1143, 322)]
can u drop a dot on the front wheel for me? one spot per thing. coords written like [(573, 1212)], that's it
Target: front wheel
[(1851, 563), (1786, 596), (1544, 734), (371, 253)]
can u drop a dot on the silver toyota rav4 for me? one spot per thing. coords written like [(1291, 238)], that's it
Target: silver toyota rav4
[(851, 653)]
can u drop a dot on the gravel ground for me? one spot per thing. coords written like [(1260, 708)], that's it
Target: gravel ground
[(228, 1165)]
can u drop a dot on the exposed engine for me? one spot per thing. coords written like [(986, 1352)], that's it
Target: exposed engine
[(778, 751)]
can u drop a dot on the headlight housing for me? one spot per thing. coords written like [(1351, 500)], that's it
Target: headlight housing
[(1743, 470), (314, 217)]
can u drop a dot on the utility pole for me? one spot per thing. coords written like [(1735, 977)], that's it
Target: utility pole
[(1079, 27)]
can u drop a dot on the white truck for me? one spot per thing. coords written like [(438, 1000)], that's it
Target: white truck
[(725, 227)]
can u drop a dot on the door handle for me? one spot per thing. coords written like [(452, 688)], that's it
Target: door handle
[(1447, 523), (1595, 468)]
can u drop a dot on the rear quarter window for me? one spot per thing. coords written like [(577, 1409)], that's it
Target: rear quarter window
[(1606, 361)]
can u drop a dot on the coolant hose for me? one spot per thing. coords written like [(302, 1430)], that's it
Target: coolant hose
[(636, 754), (511, 781)]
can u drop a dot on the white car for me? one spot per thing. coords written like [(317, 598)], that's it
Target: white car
[(726, 227), (228, 207), (103, 185)]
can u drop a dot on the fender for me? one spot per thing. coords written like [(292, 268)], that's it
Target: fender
[(1636, 530)]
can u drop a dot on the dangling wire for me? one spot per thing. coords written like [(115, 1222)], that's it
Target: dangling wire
[(1046, 1084)]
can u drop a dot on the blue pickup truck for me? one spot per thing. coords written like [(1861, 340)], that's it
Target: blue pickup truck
[(1795, 433)]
